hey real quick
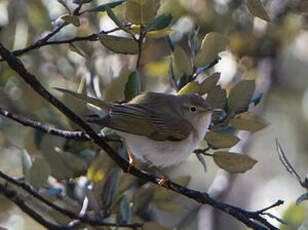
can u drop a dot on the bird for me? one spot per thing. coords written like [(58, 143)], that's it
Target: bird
[(159, 129)]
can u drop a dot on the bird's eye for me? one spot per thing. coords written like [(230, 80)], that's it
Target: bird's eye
[(193, 109)]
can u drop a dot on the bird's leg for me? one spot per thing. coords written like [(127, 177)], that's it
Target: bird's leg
[(163, 180), (132, 160)]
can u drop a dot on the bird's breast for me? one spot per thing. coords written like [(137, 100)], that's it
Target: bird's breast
[(159, 153)]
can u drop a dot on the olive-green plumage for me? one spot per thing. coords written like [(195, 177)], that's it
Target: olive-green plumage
[(156, 125)]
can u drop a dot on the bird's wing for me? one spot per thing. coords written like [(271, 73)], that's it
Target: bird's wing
[(139, 120)]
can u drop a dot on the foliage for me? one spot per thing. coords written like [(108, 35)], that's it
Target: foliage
[(79, 171)]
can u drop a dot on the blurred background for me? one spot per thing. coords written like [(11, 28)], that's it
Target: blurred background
[(274, 54)]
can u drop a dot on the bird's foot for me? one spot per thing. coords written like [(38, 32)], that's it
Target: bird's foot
[(163, 180), (132, 160)]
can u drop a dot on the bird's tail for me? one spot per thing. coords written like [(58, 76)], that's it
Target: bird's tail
[(91, 100)]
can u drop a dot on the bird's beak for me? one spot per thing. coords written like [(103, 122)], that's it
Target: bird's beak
[(215, 110)]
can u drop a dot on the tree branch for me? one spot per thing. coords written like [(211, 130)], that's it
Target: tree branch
[(14, 196), (249, 218), (75, 135)]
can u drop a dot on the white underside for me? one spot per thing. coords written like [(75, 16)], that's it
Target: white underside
[(164, 153)]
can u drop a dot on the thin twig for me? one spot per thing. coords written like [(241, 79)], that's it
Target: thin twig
[(277, 203), (75, 135), (72, 215), (140, 42), (240, 214), (76, 11), (39, 43), (44, 42)]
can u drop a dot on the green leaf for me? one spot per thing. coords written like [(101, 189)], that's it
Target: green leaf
[(166, 194), (110, 133), (83, 1), (221, 140), (202, 161), (209, 83), (233, 162), (119, 82), (183, 180), (256, 8), (161, 22), (65, 5), (126, 212), (194, 42), (171, 43), (212, 44), (153, 225), (182, 61), (75, 163), (26, 162), (183, 79), (110, 188), (115, 19), (72, 19), (141, 12), (120, 45), (286, 163), (217, 97), (133, 86), (204, 87), (240, 96), (143, 197), (38, 173), (302, 198), (38, 138), (170, 206), (102, 7), (75, 49), (248, 125), (171, 76)]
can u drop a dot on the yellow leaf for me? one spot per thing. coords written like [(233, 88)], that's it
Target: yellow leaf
[(158, 68), (141, 11), (233, 162), (221, 140), (152, 34), (256, 8), (159, 33), (182, 61), (95, 176), (294, 215), (212, 44), (120, 45), (190, 88)]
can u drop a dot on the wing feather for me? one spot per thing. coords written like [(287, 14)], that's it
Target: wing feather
[(140, 120)]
